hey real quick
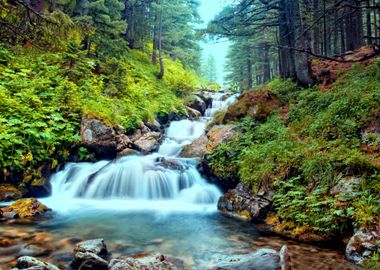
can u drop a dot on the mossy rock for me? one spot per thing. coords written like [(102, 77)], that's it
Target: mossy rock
[(25, 208), (9, 193)]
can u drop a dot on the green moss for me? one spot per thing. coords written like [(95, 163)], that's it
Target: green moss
[(26, 208)]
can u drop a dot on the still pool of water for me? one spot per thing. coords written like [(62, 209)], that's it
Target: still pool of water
[(199, 239)]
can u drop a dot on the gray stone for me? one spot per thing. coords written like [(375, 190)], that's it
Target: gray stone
[(150, 262), (30, 263), (95, 246), (198, 104), (362, 245), (243, 204), (345, 188), (98, 137), (148, 142), (88, 261), (263, 259)]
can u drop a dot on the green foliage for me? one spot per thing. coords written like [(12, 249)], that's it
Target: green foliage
[(304, 155), (44, 95)]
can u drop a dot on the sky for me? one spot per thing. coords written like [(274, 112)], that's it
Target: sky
[(217, 48)]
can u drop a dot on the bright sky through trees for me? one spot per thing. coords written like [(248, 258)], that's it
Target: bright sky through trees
[(217, 48)]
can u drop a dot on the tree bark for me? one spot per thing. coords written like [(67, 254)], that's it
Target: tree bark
[(160, 55)]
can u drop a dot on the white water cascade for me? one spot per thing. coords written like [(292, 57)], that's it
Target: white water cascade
[(219, 102), (155, 181)]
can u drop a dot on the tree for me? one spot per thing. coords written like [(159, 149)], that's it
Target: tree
[(209, 69)]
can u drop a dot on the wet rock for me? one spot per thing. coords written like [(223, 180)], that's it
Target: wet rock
[(24, 208), (263, 259), (196, 149), (197, 103), (148, 142), (9, 193), (40, 188), (154, 125), (362, 245), (171, 164), (165, 119), (127, 152), (95, 246), (88, 261), (27, 262), (193, 114), (122, 142), (137, 134), (98, 137), (207, 99), (285, 260), (242, 203), (344, 189), (149, 262)]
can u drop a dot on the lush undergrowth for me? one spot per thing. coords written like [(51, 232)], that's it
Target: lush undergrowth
[(43, 96), (304, 147)]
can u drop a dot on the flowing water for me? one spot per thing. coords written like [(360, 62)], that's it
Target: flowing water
[(153, 203)]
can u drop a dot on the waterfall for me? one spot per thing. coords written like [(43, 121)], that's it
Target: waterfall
[(157, 178), (219, 102)]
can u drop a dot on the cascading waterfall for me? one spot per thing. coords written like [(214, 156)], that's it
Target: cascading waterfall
[(155, 178), (219, 102)]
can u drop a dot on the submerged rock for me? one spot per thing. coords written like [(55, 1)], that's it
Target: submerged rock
[(23, 208), (242, 203), (171, 164), (27, 262), (362, 245), (263, 259)]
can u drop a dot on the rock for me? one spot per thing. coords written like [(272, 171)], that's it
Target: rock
[(137, 134), (196, 149), (242, 203), (263, 259), (98, 137), (127, 152), (149, 262), (197, 103), (285, 260), (122, 142), (27, 262), (219, 134), (193, 114), (362, 245), (148, 142), (345, 187), (206, 99), (88, 261), (154, 125), (95, 246), (32, 250), (40, 188), (165, 119), (9, 193), (24, 208), (171, 164)]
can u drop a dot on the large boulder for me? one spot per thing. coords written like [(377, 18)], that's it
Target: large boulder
[(23, 208), (171, 164), (98, 137), (9, 193), (197, 103), (207, 99), (263, 259), (362, 245), (26, 262), (219, 134), (243, 204), (196, 149), (148, 142), (153, 125)]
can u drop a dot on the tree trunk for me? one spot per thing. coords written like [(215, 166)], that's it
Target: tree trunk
[(160, 56), (316, 30), (369, 26)]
